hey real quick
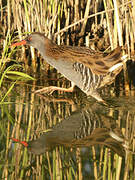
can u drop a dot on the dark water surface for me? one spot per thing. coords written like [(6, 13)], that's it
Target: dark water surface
[(69, 135)]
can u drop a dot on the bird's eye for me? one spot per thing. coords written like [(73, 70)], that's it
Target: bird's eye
[(29, 38)]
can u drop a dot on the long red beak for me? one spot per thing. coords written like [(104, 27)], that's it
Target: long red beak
[(24, 143), (23, 42)]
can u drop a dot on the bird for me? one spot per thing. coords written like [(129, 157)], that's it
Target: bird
[(86, 68)]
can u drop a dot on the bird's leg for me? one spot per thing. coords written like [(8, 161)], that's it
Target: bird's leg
[(51, 89)]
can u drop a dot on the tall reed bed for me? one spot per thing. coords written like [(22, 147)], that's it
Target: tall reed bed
[(101, 24)]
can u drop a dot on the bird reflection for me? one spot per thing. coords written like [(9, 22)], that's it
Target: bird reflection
[(83, 128)]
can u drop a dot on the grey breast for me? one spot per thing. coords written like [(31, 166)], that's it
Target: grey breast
[(81, 75)]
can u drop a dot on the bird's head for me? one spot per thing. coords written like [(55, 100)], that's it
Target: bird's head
[(35, 40)]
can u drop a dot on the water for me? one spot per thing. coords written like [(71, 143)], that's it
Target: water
[(74, 136)]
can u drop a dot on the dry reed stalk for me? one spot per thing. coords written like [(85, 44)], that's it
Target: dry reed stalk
[(118, 167), (118, 23), (86, 14), (9, 14), (76, 17), (49, 164), (109, 166), (105, 164), (101, 160), (1, 13), (131, 25), (79, 164), (76, 7), (57, 164), (132, 140), (58, 24), (67, 15), (94, 163), (109, 25), (126, 26), (132, 14)]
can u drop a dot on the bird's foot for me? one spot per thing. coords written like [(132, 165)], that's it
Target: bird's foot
[(96, 95), (51, 89)]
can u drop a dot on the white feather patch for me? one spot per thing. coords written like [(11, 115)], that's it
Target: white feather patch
[(115, 67), (124, 59), (115, 136)]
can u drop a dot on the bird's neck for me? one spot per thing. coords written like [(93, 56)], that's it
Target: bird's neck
[(45, 48)]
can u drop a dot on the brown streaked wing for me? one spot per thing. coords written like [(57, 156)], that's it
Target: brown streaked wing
[(98, 62)]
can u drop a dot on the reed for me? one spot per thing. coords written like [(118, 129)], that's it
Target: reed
[(78, 23)]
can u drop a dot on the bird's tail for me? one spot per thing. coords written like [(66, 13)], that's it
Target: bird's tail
[(123, 60)]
